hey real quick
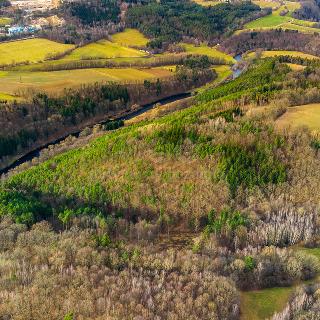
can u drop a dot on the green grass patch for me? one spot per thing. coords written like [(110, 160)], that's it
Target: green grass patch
[(32, 50), (306, 115), (130, 38), (300, 28), (8, 97), (269, 21), (262, 304), (206, 50), (14, 82), (278, 53), (207, 3), (5, 21), (266, 4), (103, 49), (223, 72), (312, 251)]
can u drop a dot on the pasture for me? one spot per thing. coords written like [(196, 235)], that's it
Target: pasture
[(223, 72), (266, 4), (306, 115), (207, 3), (300, 28), (103, 49), (277, 53), (130, 38), (206, 50), (281, 17), (271, 21), (32, 50), (5, 21), (17, 83), (7, 97), (295, 67), (262, 304)]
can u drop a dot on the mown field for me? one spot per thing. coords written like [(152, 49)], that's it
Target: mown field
[(55, 75), (103, 49), (223, 72), (262, 304), (206, 50), (130, 38), (17, 82), (207, 3), (295, 67), (5, 21), (277, 53), (7, 97), (32, 50), (266, 4), (306, 115)]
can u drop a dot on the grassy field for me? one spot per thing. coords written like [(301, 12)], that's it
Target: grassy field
[(5, 21), (8, 97), (205, 50), (295, 67), (306, 115), (103, 49), (275, 53), (33, 50), (266, 4), (207, 3), (14, 82), (130, 38), (262, 304), (300, 28), (313, 251), (270, 21), (276, 20), (223, 72)]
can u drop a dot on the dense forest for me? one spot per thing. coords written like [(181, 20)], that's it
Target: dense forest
[(4, 3), (309, 10), (169, 21), (94, 12), (240, 194), (205, 207)]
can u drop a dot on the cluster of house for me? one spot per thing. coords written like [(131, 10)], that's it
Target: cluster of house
[(19, 30), (16, 30), (31, 27)]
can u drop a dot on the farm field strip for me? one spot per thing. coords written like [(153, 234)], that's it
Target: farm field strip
[(275, 53), (12, 82), (206, 50), (5, 21), (103, 49), (207, 3), (130, 38), (34, 50)]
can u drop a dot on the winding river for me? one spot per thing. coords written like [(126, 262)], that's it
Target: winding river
[(236, 71)]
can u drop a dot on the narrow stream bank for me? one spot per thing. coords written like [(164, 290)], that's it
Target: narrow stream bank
[(36, 152)]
